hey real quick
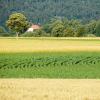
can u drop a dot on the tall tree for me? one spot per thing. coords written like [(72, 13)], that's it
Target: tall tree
[(17, 23)]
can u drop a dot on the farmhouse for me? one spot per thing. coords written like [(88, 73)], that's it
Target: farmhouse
[(33, 27)]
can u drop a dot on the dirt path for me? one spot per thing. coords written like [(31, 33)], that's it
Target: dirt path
[(49, 89)]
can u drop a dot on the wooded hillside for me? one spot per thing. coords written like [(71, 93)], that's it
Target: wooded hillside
[(40, 11)]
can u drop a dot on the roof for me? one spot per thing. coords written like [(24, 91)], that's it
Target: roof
[(35, 26)]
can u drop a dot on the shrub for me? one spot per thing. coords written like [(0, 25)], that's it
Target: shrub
[(4, 34), (36, 33), (89, 35), (2, 29), (69, 32)]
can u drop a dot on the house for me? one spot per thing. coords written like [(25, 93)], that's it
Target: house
[(33, 27)]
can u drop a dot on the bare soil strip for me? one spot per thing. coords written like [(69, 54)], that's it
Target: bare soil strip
[(49, 89)]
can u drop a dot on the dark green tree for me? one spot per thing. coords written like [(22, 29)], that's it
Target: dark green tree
[(98, 28), (2, 29), (69, 32), (81, 31), (91, 27)]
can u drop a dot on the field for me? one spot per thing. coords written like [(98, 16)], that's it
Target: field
[(49, 44), (46, 89), (50, 65), (49, 58), (53, 68)]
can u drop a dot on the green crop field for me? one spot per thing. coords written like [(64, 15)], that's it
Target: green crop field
[(49, 58), (50, 65)]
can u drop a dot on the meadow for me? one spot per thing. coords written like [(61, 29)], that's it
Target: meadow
[(49, 57)]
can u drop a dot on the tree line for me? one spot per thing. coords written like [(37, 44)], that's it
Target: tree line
[(62, 27), (18, 24)]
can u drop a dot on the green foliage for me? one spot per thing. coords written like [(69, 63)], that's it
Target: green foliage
[(69, 32), (61, 27), (2, 29), (50, 65), (89, 35), (72, 28), (91, 27), (57, 28), (3, 32), (35, 33), (81, 31), (47, 28), (40, 11), (98, 29), (17, 22), (4, 35)]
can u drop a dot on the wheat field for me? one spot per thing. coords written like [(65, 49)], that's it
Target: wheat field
[(49, 89), (49, 44)]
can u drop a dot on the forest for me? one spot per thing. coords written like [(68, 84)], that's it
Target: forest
[(41, 11)]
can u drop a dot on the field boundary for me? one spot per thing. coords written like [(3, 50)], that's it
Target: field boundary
[(54, 38)]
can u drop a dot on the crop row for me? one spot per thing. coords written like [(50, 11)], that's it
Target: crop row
[(9, 62)]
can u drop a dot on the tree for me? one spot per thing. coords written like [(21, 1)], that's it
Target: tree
[(57, 27), (81, 31), (17, 23), (3, 32), (47, 28), (2, 29), (69, 32), (91, 27), (98, 28), (57, 31)]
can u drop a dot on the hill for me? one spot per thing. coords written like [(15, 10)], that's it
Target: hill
[(40, 11)]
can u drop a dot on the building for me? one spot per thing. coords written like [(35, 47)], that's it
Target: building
[(33, 27)]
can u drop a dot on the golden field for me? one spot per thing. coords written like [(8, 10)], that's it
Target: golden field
[(49, 89), (49, 44)]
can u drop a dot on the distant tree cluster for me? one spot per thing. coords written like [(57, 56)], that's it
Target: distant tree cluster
[(58, 27)]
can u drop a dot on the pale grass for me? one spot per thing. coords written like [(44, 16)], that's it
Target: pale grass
[(48, 44), (49, 89)]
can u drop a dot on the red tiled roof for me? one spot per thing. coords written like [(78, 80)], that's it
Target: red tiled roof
[(35, 26)]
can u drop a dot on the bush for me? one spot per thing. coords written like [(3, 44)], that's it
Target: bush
[(2, 29), (36, 33), (98, 28), (89, 35), (4, 34), (69, 32), (81, 31)]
